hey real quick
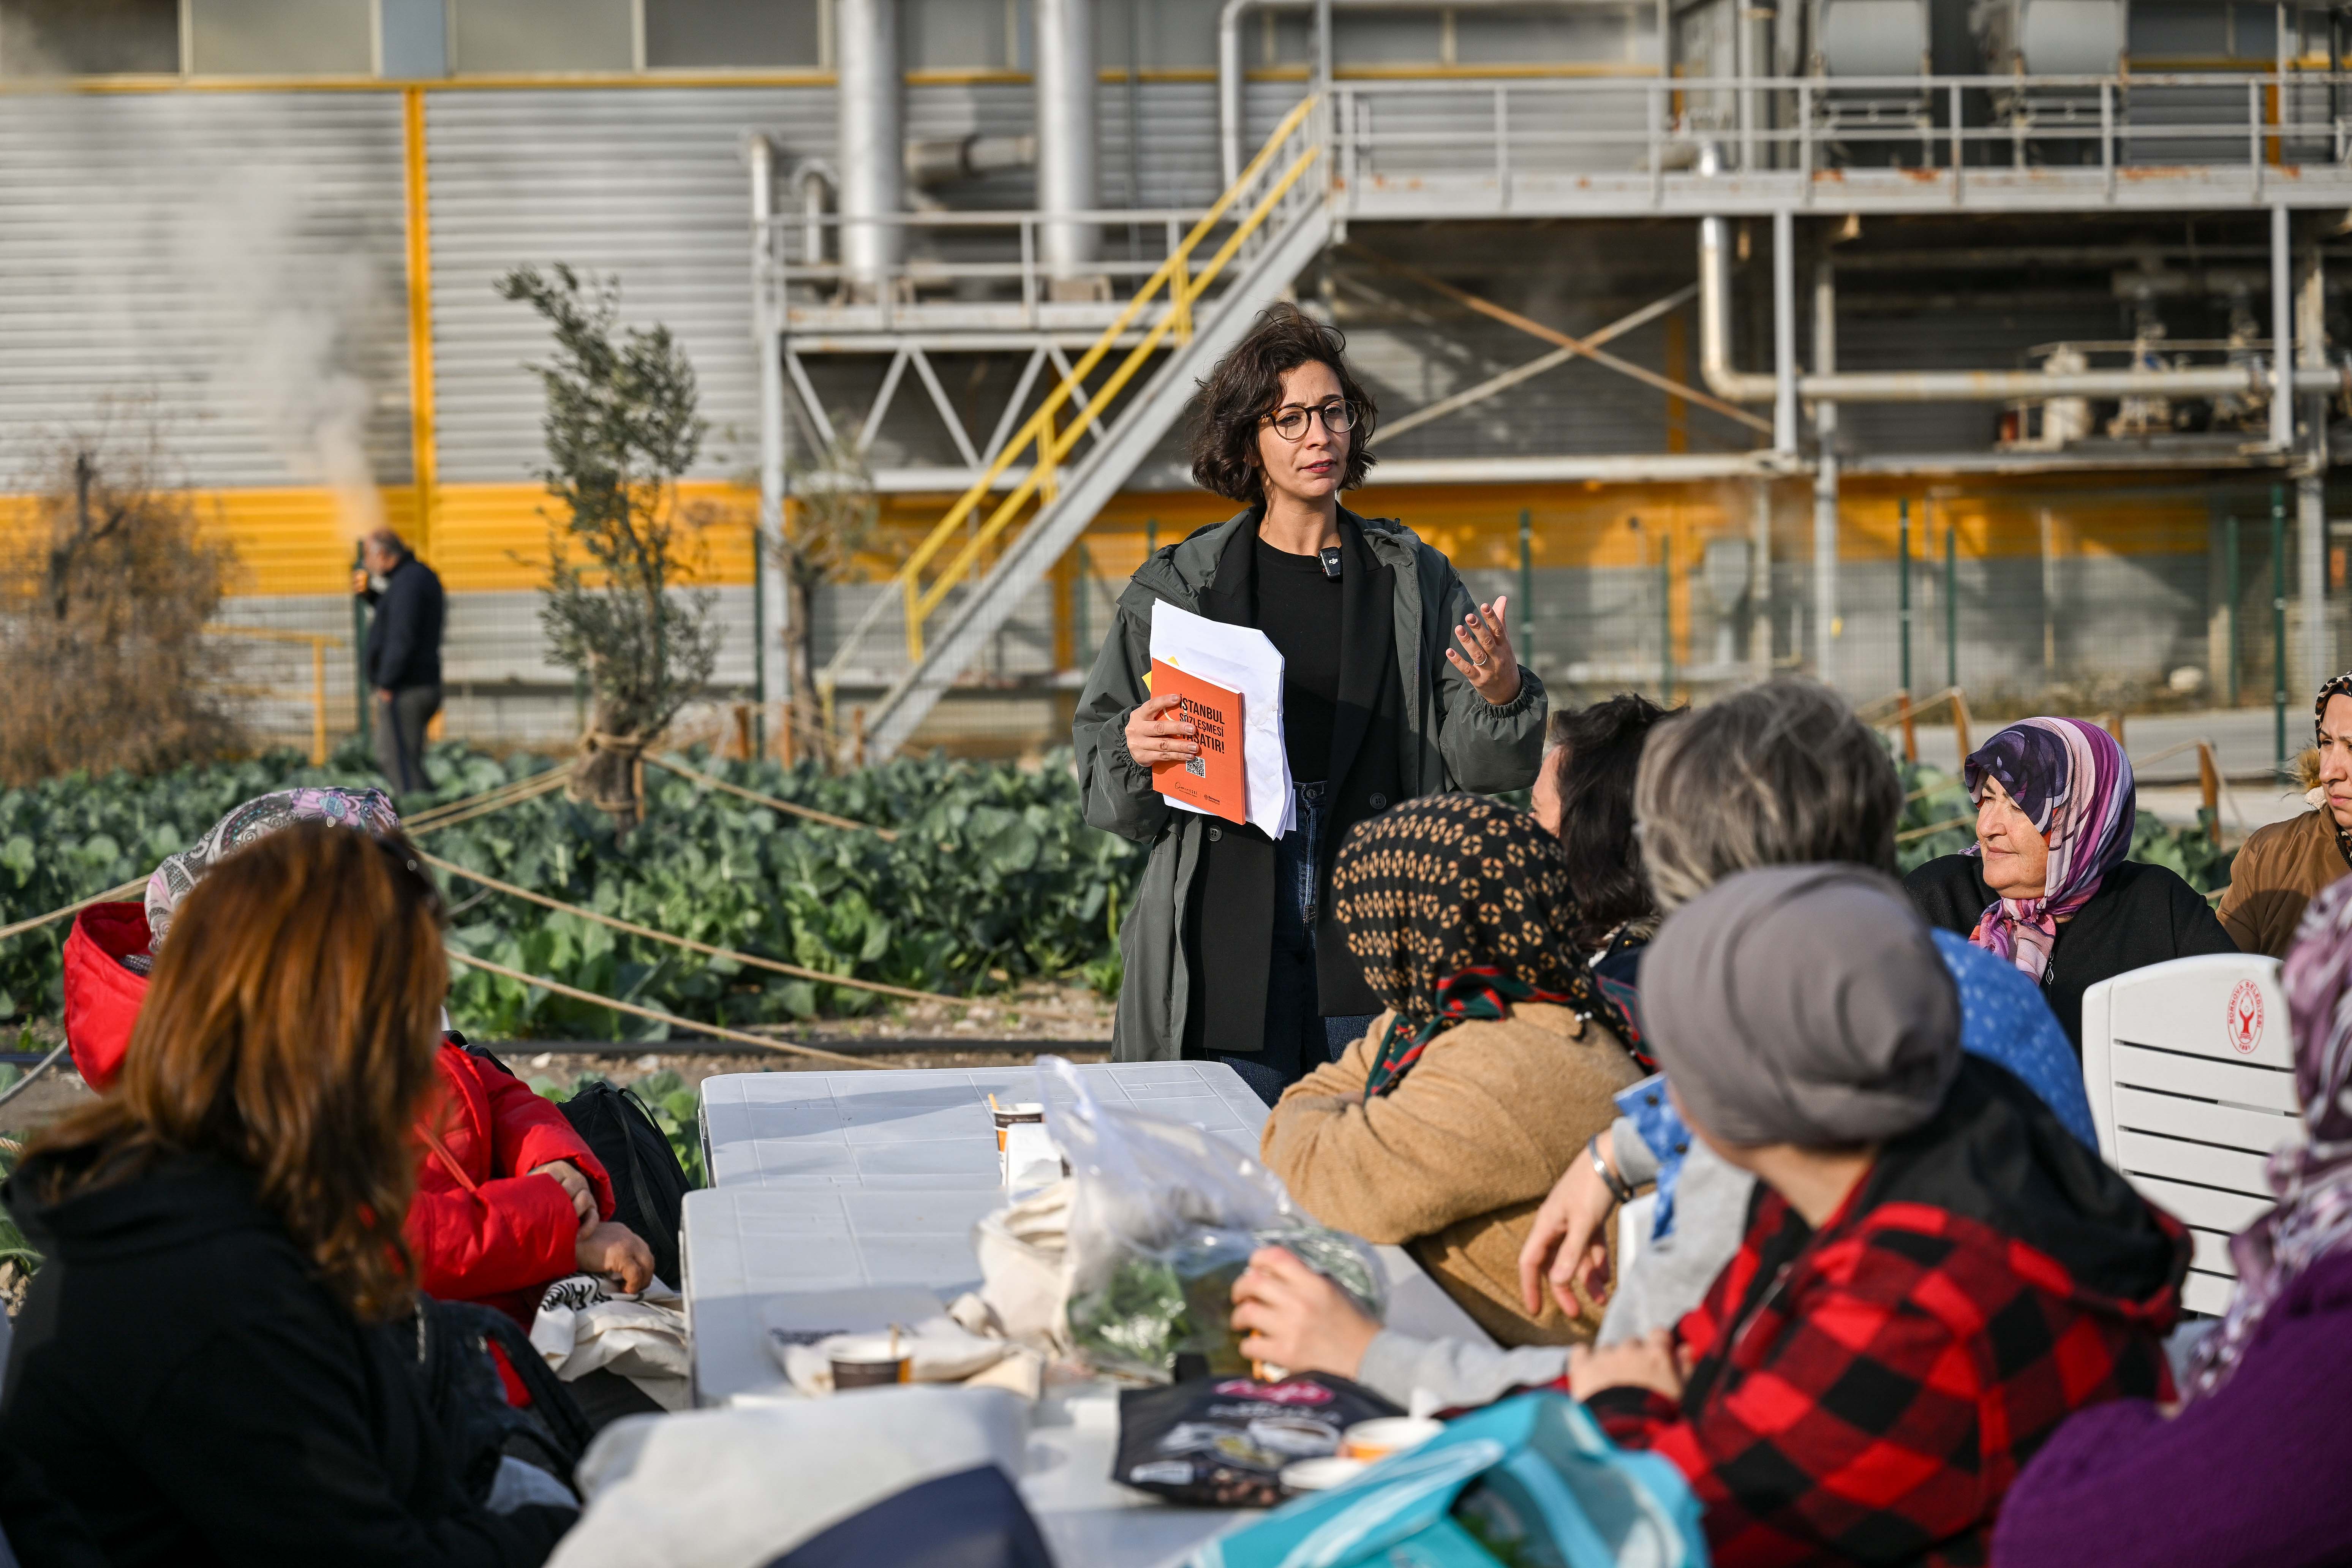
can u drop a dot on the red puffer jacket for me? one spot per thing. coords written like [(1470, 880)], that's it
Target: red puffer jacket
[(481, 1227)]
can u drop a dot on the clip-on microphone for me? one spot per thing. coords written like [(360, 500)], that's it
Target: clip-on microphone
[(1331, 559)]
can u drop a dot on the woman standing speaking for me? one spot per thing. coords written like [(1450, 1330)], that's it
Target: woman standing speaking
[(1395, 684)]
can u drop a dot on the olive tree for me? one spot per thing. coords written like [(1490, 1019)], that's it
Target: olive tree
[(622, 428)]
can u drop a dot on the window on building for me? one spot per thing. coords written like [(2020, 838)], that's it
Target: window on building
[(732, 34), (279, 38), (1598, 35), (1465, 36), (496, 35), (1169, 35), (960, 35), (88, 37)]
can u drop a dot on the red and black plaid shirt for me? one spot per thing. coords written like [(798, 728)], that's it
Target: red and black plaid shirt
[(1866, 1395)]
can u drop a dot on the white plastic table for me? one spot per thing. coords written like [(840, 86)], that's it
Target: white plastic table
[(929, 1128), (833, 1183)]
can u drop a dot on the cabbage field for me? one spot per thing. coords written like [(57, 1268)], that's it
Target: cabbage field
[(992, 881)]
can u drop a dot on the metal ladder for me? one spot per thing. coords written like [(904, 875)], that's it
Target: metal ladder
[(1279, 218)]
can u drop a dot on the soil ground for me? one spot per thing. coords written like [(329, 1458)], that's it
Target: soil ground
[(1068, 1020)]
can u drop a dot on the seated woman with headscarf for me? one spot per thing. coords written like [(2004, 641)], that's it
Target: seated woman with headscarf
[(1935, 1272), (1445, 1126), (2280, 867), (2236, 1474), (508, 1197), (2046, 885)]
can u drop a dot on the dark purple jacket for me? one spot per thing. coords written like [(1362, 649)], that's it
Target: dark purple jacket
[(2253, 1473)]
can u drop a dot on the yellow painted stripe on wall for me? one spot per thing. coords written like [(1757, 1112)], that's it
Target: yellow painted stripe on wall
[(493, 538), (295, 540)]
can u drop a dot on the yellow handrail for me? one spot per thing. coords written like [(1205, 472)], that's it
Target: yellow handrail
[(1054, 448), (320, 642), (1039, 429)]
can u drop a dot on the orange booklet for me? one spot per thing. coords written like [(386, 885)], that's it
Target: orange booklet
[(1214, 781)]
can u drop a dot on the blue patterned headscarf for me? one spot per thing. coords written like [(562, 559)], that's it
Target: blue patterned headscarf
[(2074, 781)]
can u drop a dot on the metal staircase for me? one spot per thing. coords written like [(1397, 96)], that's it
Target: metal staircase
[(1269, 224)]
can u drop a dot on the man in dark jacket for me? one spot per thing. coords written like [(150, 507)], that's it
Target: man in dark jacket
[(402, 659)]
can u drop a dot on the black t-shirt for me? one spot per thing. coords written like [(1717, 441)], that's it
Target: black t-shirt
[(1298, 610), (2142, 914)]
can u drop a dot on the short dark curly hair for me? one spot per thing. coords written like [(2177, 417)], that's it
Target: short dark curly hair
[(1596, 753), (1246, 386)]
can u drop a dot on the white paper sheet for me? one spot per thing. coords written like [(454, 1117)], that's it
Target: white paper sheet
[(1244, 659)]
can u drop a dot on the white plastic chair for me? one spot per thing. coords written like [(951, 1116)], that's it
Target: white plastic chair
[(1634, 1218), (2190, 1070)]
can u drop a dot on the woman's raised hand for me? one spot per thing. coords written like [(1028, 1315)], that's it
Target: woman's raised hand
[(1151, 738), (1567, 1244), (1486, 659)]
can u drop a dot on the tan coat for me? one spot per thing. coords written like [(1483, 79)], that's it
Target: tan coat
[(2281, 868), (1454, 1160)]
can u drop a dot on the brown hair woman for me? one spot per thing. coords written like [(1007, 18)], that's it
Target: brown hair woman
[(210, 1366), (1396, 683)]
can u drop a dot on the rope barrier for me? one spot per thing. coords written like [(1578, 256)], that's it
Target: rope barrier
[(423, 822), (541, 784), (755, 959), (22, 1084), (75, 908), (885, 833), (1906, 837), (720, 1031), (531, 784)]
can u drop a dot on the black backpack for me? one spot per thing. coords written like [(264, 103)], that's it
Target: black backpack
[(450, 1342), (649, 1186)]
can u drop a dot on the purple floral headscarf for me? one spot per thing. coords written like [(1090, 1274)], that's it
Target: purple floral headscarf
[(2075, 784), (368, 810), (2314, 1182)]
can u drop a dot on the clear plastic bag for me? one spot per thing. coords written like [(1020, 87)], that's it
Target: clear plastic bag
[(1163, 1219)]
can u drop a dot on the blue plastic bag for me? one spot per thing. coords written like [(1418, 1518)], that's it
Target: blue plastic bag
[(1531, 1482)]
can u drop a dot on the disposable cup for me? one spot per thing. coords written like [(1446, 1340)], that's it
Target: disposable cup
[(1320, 1475), (1010, 1115), (1370, 1440), (870, 1361)]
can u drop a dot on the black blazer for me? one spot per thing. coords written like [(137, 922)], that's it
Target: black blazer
[(1230, 925), (2141, 915)]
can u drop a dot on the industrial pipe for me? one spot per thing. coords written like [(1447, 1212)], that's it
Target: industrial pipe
[(1230, 113), (815, 180), (1953, 385), (870, 125), (967, 158), (1067, 136)]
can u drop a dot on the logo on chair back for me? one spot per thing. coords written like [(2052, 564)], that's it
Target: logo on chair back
[(2245, 1021)]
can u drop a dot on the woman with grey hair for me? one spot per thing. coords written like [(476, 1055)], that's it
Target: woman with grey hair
[(1778, 774), (1934, 1273)]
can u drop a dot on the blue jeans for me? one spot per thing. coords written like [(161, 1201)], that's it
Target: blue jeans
[(1297, 1035)]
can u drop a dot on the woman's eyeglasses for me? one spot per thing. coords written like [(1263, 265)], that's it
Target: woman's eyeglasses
[(1339, 418)]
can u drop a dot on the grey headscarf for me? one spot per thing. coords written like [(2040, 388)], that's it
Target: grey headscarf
[(1801, 1005)]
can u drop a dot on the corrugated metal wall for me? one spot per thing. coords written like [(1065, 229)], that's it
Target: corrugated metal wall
[(238, 258), (643, 184), (235, 260)]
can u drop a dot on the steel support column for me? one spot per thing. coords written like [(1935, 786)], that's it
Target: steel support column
[(1827, 623), (1784, 332)]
